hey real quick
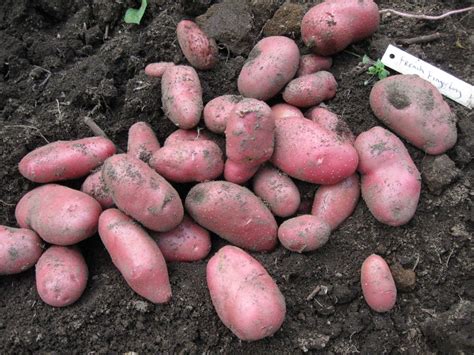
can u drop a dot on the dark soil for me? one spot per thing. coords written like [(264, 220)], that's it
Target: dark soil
[(57, 65)]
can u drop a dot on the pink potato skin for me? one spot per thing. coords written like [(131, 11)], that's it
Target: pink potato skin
[(238, 173), (234, 213), (246, 298), (136, 256), (271, 64), (312, 63), (378, 285), (331, 26), (181, 96), (200, 50), (181, 135), (187, 242), (61, 276), (95, 187), (65, 160), (335, 203), (142, 141), (311, 89), (307, 151), (331, 122), (391, 183), (217, 111), (59, 215), (414, 109), (142, 193), (189, 161), (157, 69), (285, 110), (20, 249), (304, 233), (277, 190)]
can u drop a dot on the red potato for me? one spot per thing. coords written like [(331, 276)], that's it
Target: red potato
[(285, 110), (332, 25), (304, 233), (277, 190), (142, 141), (377, 283), (95, 187), (312, 63), (200, 50), (311, 89), (234, 213), (136, 256), (65, 160), (246, 298), (331, 122), (157, 69), (187, 242), (181, 135), (238, 173), (61, 276), (59, 215), (414, 109), (181, 96), (271, 64), (391, 183), (20, 249), (217, 111)]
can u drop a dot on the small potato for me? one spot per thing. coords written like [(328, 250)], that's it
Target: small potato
[(311, 89), (95, 187), (20, 249), (61, 276), (414, 109), (142, 193), (136, 256), (277, 190), (65, 160), (59, 215), (142, 141), (234, 213), (377, 283), (181, 135), (246, 298), (304, 233), (217, 111), (181, 96), (157, 69), (271, 64), (331, 122), (312, 63), (187, 242), (285, 110), (200, 50)]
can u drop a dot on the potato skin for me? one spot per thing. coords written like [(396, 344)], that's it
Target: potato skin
[(95, 187), (20, 249), (238, 173), (234, 213), (61, 276), (157, 69), (331, 122), (136, 256), (65, 160), (311, 89), (59, 215), (200, 50), (414, 109), (181, 135), (312, 63), (332, 25), (142, 193), (217, 111), (391, 183), (142, 141), (246, 298), (271, 64), (181, 96), (304, 233), (285, 110), (377, 283)]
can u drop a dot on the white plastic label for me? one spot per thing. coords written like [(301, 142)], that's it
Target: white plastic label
[(447, 84)]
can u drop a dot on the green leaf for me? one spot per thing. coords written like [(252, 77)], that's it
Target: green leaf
[(366, 59), (135, 15), (383, 74), (373, 70)]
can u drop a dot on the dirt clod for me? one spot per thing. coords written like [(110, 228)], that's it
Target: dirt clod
[(438, 172)]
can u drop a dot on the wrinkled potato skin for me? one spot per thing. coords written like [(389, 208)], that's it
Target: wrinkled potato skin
[(304, 233), (200, 50), (142, 141), (311, 89), (95, 187), (217, 111), (312, 63)]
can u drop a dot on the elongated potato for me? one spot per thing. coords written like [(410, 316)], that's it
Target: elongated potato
[(200, 50), (157, 69), (142, 141), (331, 122), (181, 135), (304, 233), (234, 213), (59, 215), (217, 111), (95, 187), (311, 89), (136, 255), (246, 298), (312, 63)]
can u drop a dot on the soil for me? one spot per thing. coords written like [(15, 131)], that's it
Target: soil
[(62, 60)]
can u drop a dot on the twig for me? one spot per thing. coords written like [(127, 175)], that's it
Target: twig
[(449, 257), (6, 203), (94, 127), (426, 17), (420, 39), (313, 293), (106, 34), (416, 262), (48, 75), (28, 127)]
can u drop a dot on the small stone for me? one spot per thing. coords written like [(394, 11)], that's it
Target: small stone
[(140, 306), (285, 21), (405, 279), (438, 172), (313, 341)]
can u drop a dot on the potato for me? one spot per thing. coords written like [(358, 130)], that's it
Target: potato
[(238, 173), (312, 63), (217, 111), (20, 249), (271, 64), (391, 182), (332, 25), (181, 96), (311, 89), (331, 122), (304, 233), (142, 141), (234, 213), (285, 110), (414, 109), (65, 160), (277, 190), (307, 151), (142, 193), (59, 215), (157, 69), (61, 276), (189, 161), (246, 298), (136, 256), (200, 51), (95, 187), (377, 283), (181, 135), (187, 242), (335, 203)]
